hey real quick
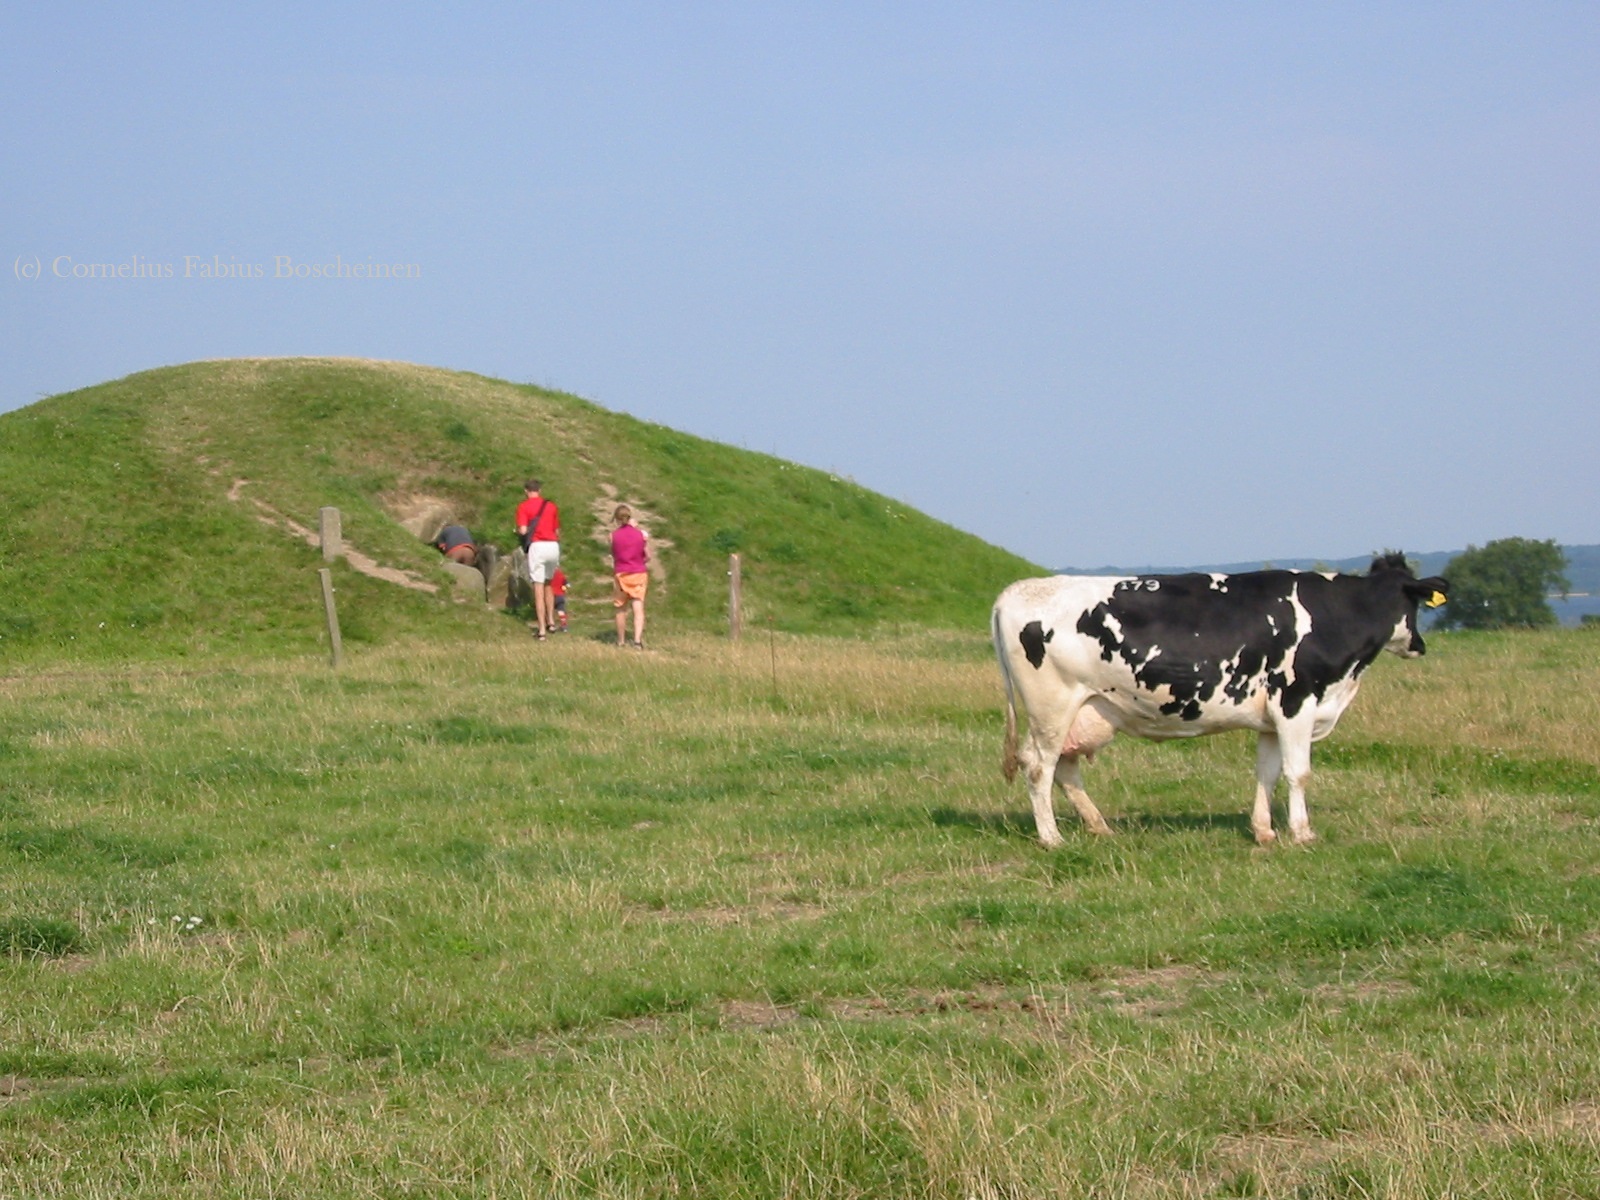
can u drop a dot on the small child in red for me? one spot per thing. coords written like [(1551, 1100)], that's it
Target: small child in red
[(558, 591)]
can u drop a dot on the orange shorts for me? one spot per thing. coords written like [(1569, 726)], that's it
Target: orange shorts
[(629, 587)]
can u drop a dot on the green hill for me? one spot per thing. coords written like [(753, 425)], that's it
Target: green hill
[(156, 515)]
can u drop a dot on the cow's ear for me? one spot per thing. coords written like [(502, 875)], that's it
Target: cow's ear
[(1432, 591)]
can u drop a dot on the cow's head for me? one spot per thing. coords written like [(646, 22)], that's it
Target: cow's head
[(1391, 570)]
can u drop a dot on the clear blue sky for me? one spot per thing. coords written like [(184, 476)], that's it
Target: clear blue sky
[(1159, 283)]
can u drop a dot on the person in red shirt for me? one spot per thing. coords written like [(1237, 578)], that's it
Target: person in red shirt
[(539, 527), (630, 556)]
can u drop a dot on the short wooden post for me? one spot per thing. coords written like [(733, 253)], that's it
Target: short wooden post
[(336, 647), (332, 537), (735, 588)]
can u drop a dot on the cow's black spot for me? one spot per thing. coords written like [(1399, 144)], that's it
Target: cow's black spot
[(1033, 639), (1192, 638), (1184, 710), (1351, 620)]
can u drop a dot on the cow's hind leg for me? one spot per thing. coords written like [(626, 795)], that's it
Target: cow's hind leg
[(1038, 769), (1056, 740), (1269, 765), (1071, 780), (1091, 730)]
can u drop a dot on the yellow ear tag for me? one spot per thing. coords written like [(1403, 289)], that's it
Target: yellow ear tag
[(1437, 599)]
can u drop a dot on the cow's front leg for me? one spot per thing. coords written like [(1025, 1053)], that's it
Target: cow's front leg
[(1296, 752), (1269, 765)]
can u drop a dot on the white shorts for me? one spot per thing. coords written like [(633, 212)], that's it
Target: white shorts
[(543, 559)]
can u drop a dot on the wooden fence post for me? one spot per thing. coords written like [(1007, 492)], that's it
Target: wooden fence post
[(336, 647), (331, 535), (735, 589)]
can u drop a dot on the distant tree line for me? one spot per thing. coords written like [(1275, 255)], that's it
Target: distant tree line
[(1503, 585)]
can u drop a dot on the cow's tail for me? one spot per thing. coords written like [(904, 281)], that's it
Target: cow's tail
[(1008, 754)]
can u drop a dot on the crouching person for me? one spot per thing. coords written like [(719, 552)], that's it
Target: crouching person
[(456, 544)]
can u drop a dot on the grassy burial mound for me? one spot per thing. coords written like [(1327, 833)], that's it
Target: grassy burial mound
[(173, 511)]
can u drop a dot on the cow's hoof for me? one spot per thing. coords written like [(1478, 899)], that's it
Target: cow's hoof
[(1303, 837), (1265, 837)]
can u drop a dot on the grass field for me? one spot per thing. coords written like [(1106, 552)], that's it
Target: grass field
[(498, 920)]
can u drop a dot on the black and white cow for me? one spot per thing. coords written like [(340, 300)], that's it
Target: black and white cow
[(1172, 656)]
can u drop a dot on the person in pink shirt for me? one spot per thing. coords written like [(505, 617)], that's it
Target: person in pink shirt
[(630, 578)]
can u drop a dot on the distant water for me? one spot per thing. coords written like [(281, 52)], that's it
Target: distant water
[(1570, 612), (1573, 609)]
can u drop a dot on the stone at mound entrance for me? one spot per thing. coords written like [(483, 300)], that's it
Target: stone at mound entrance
[(508, 580), (468, 581), (419, 515)]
